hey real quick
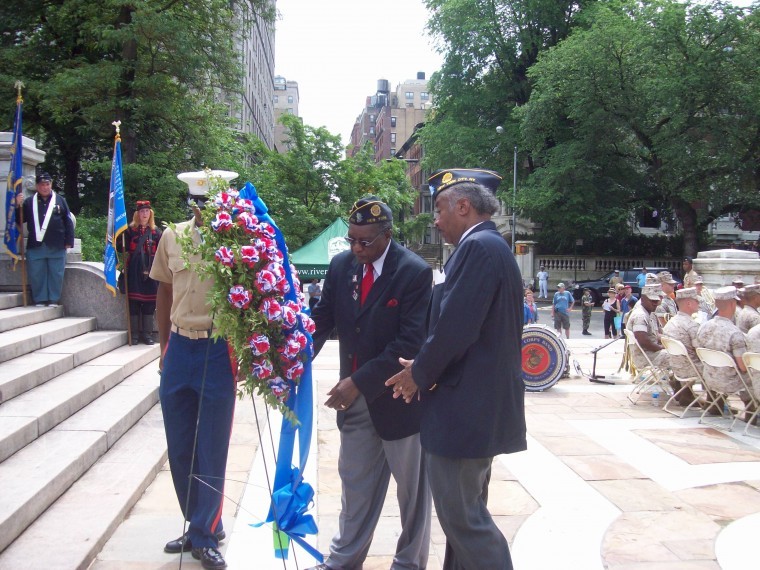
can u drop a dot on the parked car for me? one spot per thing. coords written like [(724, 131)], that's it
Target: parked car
[(600, 286)]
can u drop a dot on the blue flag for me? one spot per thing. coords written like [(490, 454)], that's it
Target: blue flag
[(15, 185), (117, 216)]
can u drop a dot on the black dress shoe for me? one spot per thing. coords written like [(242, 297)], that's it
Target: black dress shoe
[(183, 544), (319, 567), (210, 558)]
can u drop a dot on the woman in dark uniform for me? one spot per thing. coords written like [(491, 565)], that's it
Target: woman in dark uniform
[(142, 238)]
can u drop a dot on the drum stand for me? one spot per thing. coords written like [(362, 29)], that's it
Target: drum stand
[(594, 377)]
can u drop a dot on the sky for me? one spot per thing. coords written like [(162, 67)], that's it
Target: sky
[(337, 50)]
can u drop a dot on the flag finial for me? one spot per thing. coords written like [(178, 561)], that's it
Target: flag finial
[(117, 124), (19, 85)]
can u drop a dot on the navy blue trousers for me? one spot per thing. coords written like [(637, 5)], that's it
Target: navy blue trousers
[(182, 382)]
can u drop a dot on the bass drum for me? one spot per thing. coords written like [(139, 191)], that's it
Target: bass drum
[(545, 357)]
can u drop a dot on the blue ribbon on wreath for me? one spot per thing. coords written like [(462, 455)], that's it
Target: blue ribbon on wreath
[(292, 496)]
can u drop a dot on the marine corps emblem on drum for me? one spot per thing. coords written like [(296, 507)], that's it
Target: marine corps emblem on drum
[(544, 358)]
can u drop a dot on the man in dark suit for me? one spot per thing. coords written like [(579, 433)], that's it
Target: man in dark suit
[(376, 296), (468, 374)]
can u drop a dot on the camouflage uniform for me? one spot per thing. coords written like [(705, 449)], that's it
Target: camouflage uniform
[(719, 333), (667, 309), (753, 339), (586, 310), (642, 320), (683, 328), (746, 318)]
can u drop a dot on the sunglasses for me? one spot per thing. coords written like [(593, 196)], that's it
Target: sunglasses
[(362, 242)]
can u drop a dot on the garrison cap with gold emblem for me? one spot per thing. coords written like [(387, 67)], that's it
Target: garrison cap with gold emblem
[(370, 210), (446, 178)]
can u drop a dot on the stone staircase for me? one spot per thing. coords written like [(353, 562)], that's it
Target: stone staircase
[(81, 434)]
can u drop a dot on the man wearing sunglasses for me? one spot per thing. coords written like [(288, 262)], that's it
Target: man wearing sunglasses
[(376, 297)]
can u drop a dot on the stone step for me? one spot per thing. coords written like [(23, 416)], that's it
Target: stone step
[(37, 475), (33, 369), (18, 317), (33, 413), (9, 300), (14, 343), (84, 518)]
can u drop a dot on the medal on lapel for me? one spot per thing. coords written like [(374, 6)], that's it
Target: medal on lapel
[(355, 281)]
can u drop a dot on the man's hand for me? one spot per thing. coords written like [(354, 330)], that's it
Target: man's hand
[(403, 382), (342, 395)]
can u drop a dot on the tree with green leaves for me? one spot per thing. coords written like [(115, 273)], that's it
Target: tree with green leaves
[(650, 104), (158, 66), (311, 185), (488, 47)]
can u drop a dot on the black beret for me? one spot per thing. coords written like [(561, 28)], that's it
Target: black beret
[(370, 210), (446, 178), (44, 177)]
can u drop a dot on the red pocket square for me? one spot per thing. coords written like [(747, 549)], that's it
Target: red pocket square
[(392, 303)]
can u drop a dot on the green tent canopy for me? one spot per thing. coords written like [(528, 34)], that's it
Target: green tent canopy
[(313, 259)]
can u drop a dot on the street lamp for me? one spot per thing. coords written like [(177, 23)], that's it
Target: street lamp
[(500, 131)]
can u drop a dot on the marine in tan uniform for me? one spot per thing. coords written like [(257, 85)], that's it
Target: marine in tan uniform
[(684, 328), (748, 316), (646, 328), (753, 339), (667, 308), (720, 333), (705, 296), (689, 275)]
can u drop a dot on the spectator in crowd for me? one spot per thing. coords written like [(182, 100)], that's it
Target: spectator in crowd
[(646, 328), (720, 333), (689, 275), (641, 278), (684, 328), (748, 316), (587, 304), (611, 308), (626, 304), (615, 279), (51, 233), (543, 283), (315, 292), (530, 310), (142, 238), (562, 304), (667, 308)]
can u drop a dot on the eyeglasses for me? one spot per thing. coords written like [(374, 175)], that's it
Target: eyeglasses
[(362, 242)]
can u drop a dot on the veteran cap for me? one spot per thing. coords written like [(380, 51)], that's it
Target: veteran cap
[(653, 292), (44, 177), (725, 293), (687, 293), (369, 210), (142, 205), (448, 177)]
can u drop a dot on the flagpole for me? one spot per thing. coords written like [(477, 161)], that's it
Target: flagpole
[(22, 253)]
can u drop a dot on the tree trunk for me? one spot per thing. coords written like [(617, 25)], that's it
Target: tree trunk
[(126, 92), (687, 215)]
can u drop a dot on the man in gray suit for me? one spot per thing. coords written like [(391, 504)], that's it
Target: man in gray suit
[(376, 297), (468, 374)]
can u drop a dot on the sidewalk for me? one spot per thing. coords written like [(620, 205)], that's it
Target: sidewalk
[(604, 484)]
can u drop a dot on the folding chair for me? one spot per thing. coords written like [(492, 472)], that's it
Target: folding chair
[(676, 348), (752, 362), (651, 376), (719, 359)]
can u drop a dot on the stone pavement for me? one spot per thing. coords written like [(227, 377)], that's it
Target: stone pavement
[(604, 484)]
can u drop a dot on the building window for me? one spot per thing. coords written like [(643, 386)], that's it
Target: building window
[(290, 99), (393, 152), (290, 111), (424, 95), (393, 121), (276, 99), (372, 118), (393, 137), (409, 95), (372, 130)]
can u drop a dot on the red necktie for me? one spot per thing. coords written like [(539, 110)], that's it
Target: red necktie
[(367, 281)]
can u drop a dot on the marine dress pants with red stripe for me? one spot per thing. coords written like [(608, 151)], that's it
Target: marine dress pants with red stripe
[(186, 362)]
